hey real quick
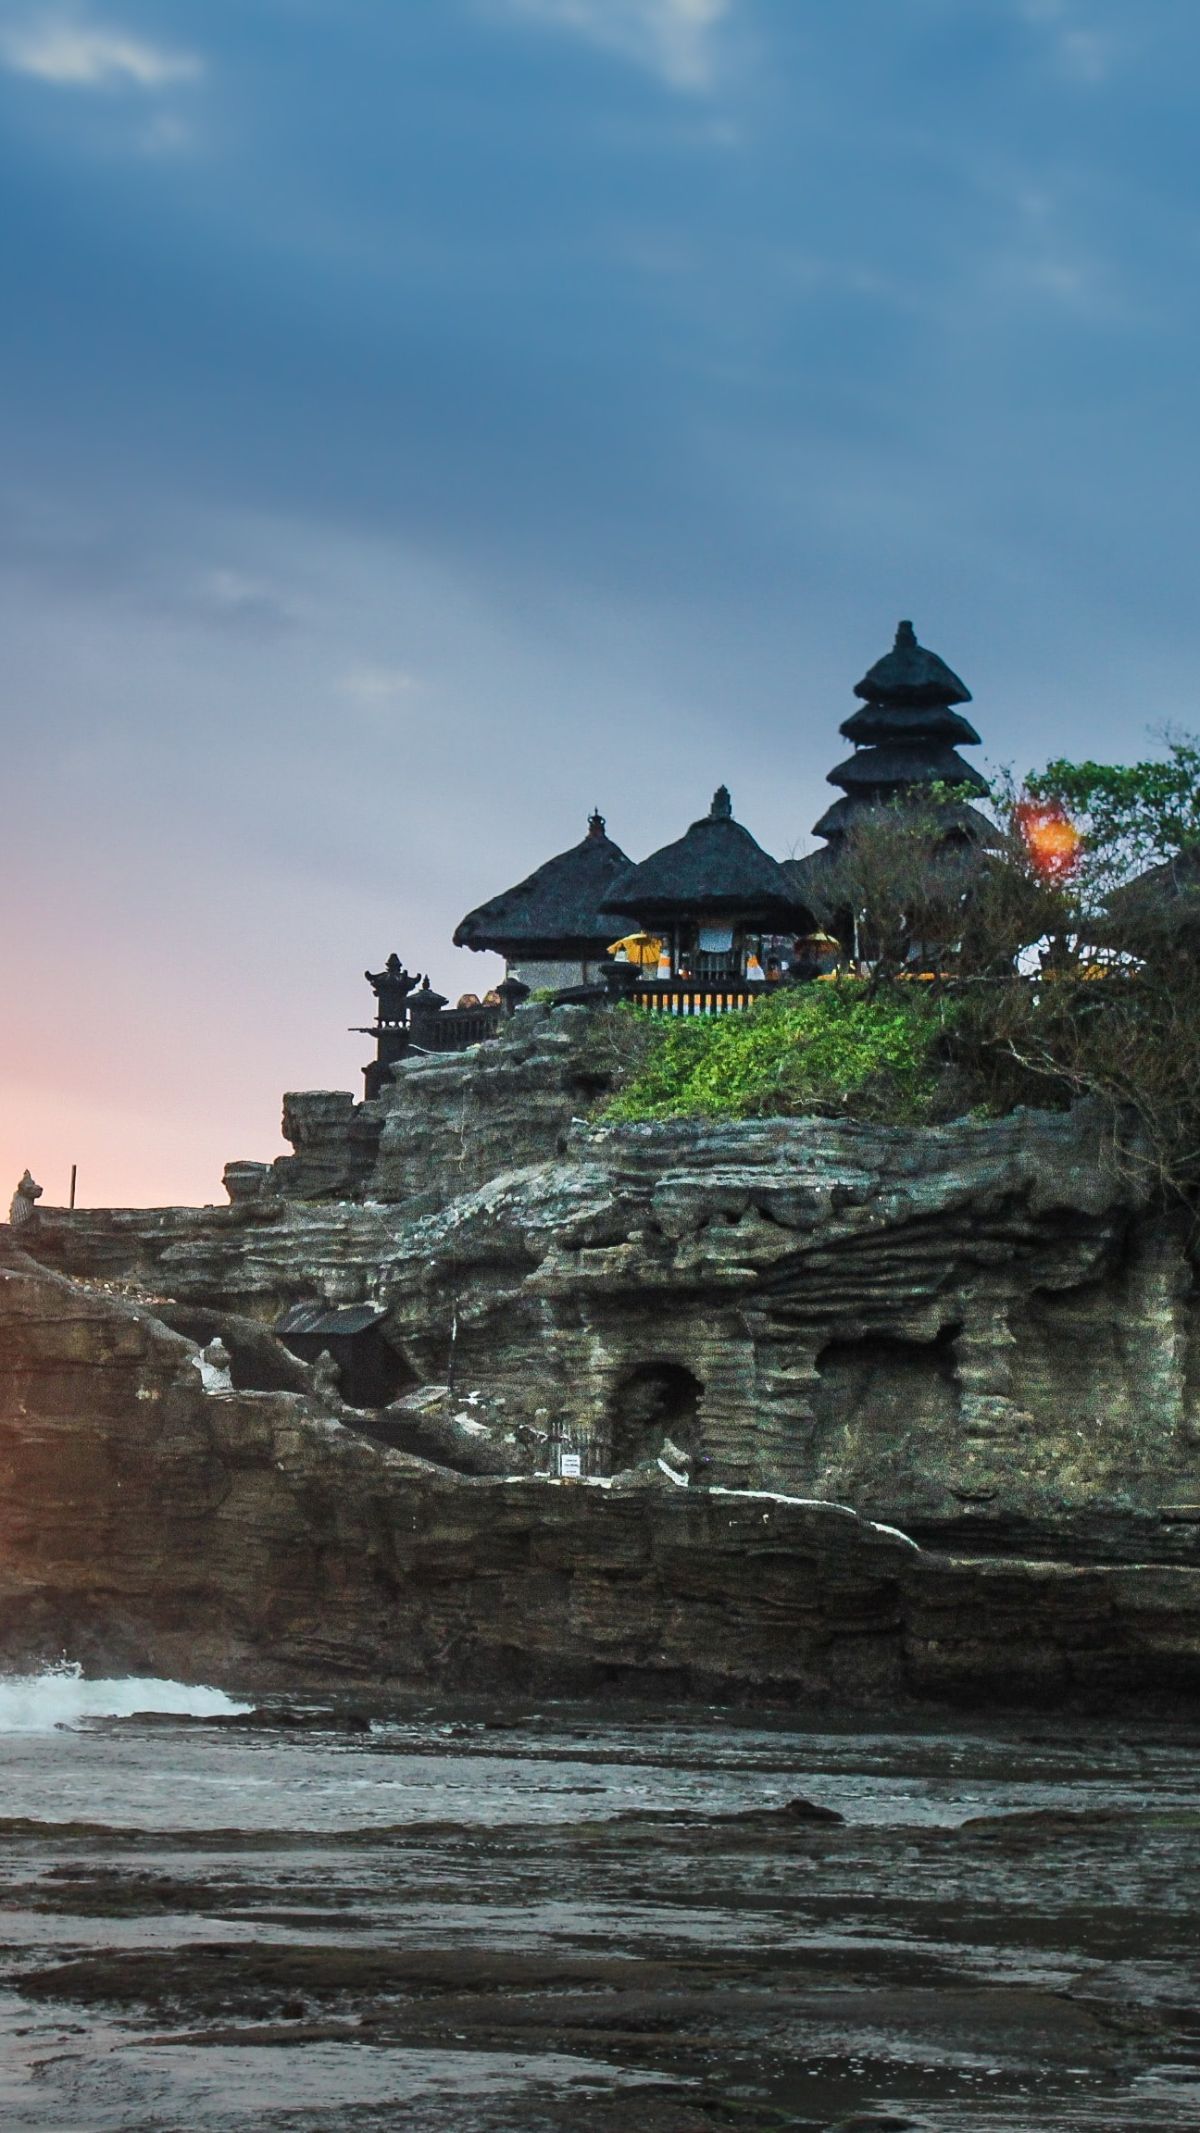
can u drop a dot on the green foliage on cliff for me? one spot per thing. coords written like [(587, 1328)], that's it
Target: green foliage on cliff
[(821, 1048), (1068, 978), (1131, 815)]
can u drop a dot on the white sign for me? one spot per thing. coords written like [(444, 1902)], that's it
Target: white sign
[(570, 1466)]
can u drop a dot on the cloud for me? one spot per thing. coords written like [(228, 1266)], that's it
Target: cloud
[(74, 55), (1085, 56), (165, 134), (377, 685), (672, 39), (1049, 259), (115, 559), (1081, 54), (235, 601)]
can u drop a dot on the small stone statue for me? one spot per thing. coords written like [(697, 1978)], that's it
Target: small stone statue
[(326, 1378), (23, 1213), (215, 1365), (679, 1461)]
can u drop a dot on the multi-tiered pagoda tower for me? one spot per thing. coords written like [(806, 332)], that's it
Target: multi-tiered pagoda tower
[(906, 737)]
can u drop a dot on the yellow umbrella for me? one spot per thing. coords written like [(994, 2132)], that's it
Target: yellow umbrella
[(644, 949)]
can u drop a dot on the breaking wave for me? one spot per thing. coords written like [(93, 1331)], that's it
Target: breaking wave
[(60, 1696)]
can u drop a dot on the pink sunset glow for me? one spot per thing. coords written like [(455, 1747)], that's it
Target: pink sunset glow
[(419, 436)]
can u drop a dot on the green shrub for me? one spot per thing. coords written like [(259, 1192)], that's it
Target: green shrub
[(830, 1048)]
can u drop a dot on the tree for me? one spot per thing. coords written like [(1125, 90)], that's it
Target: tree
[(1055, 873), (919, 878), (1118, 1016), (1130, 815), (1138, 882)]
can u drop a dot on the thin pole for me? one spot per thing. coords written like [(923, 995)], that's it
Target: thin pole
[(71, 1201)]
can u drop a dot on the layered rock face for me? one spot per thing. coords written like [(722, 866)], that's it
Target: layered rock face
[(974, 1329), (924, 1326), (979, 1333), (443, 1125), (150, 1524)]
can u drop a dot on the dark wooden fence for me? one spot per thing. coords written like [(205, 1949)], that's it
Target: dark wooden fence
[(454, 1028)]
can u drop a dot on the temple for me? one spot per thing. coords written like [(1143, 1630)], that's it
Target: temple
[(906, 737), (708, 921), (551, 928), (713, 897)]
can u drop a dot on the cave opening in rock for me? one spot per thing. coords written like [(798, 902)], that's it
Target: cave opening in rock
[(258, 1361), (656, 1401), (880, 1358), (884, 1421)]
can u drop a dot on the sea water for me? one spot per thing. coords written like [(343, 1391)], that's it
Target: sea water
[(214, 1920), (63, 1696)]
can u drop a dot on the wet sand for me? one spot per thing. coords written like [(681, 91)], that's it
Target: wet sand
[(508, 1921)]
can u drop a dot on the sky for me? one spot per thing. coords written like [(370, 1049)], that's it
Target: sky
[(425, 422)]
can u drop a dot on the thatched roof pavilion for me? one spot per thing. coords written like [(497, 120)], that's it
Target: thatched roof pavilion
[(716, 870), (1158, 908), (716, 901), (554, 915)]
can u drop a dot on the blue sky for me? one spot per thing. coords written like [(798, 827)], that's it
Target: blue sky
[(425, 421)]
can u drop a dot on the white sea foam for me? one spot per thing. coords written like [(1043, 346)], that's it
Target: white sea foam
[(60, 1696)]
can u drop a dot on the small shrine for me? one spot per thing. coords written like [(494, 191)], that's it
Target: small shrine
[(551, 928), (367, 1370), (411, 1018), (715, 900), (393, 987)]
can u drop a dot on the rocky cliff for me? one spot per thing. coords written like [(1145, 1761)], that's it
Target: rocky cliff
[(443, 1125), (981, 1333), (147, 1523)]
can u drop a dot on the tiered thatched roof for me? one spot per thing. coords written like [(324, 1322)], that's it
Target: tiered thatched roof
[(907, 735)]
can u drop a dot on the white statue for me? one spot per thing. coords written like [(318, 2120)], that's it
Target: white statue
[(326, 1377), (22, 1213), (215, 1364)]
